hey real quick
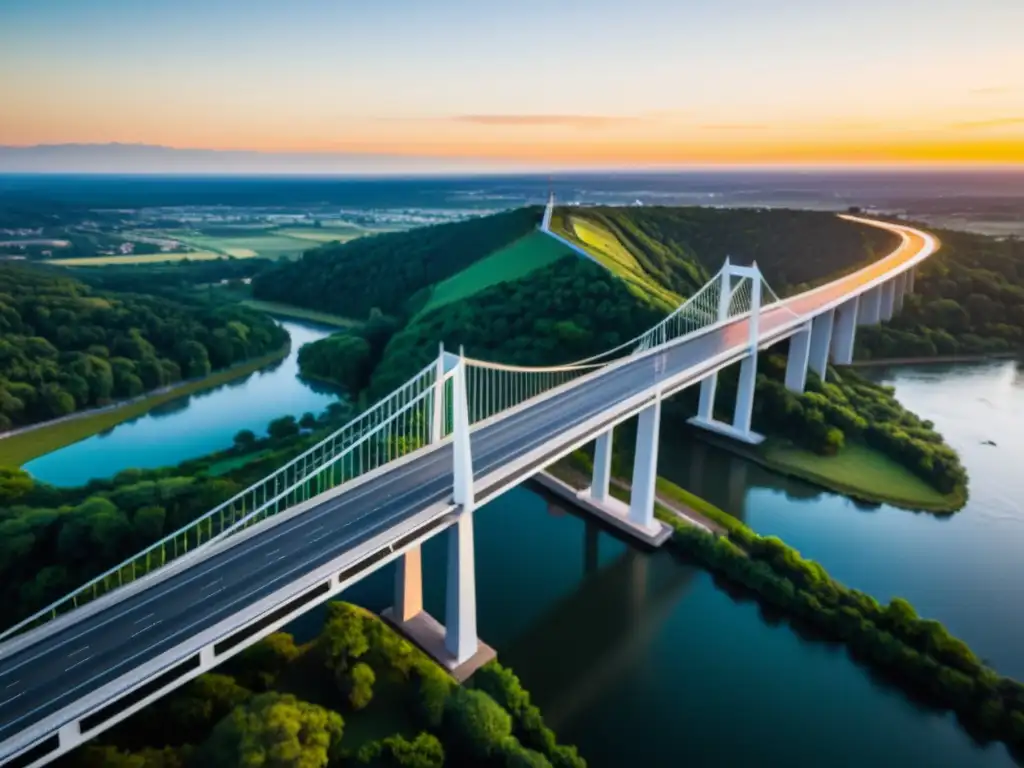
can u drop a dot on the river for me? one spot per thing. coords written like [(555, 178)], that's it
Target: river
[(194, 425), (643, 659)]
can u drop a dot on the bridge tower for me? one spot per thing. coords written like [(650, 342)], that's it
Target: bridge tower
[(739, 429), (549, 209), (455, 645)]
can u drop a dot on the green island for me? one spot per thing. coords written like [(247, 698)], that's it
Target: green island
[(846, 434), (919, 655), (357, 695)]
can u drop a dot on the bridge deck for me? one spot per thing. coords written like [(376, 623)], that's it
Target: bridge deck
[(54, 672)]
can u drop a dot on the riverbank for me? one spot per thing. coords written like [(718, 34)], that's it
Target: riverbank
[(918, 655), (276, 309), (18, 448), (885, 361), (857, 471)]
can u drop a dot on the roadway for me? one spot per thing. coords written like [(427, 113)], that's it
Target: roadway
[(52, 673)]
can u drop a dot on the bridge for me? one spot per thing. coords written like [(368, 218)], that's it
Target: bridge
[(458, 434)]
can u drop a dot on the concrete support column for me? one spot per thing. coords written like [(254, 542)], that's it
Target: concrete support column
[(870, 312), (744, 410), (460, 599), (888, 300), (645, 467), (602, 467), (901, 289), (821, 339), (706, 407), (437, 402), (910, 280), (845, 332), (796, 363), (408, 585)]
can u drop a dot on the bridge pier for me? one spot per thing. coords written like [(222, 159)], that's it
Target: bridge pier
[(637, 518), (888, 300), (845, 332), (796, 361), (743, 411), (821, 339), (910, 279), (455, 646), (870, 307), (901, 288)]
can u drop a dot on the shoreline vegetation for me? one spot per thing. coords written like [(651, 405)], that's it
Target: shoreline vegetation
[(918, 655), (291, 312), (20, 446), (840, 473), (358, 694)]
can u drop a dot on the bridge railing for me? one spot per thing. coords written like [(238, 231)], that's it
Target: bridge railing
[(402, 422)]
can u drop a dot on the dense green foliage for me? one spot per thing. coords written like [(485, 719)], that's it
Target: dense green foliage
[(255, 712), (566, 311), (350, 357), (917, 653), (968, 299), (682, 246), (389, 271), (65, 347), (849, 408)]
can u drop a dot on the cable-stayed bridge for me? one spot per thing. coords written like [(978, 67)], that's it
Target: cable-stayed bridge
[(456, 435)]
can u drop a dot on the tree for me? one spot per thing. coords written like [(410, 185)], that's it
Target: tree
[(361, 680), (275, 730), (14, 484), (244, 439), (477, 723), (279, 429), (425, 751)]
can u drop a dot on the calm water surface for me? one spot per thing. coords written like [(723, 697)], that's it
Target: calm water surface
[(194, 425), (643, 660)]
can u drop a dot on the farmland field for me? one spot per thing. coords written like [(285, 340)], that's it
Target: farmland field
[(322, 234), (147, 258)]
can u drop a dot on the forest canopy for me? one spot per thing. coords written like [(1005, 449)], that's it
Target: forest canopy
[(389, 271), (65, 346)]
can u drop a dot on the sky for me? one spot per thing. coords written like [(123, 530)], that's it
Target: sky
[(567, 83)]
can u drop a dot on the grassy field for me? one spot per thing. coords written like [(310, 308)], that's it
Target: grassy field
[(322, 234), (516, 260), (148, 258), (268, 244), (607, 249), (19, 449), (862, 473), (300, 313)]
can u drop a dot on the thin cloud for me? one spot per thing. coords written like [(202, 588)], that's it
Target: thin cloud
[(568, 121), (735, 127), (990, 90), (1002, 122)]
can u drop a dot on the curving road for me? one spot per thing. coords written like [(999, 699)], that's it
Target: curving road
[(46, 677)]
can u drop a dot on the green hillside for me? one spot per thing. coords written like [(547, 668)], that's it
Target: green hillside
[(512, 262), (678, 249)]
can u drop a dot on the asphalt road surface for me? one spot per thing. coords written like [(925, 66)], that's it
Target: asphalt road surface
[(42, 679)]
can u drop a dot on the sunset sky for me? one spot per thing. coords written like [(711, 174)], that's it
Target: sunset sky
[(567, 82)]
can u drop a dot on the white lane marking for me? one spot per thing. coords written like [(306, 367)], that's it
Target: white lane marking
[(205, 587), (273, 552), (147, 616), (8, 701), (318, 528), (11, 685), (148, 626), (77, 663), (75, 653), (317, 538), (211, 594)]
